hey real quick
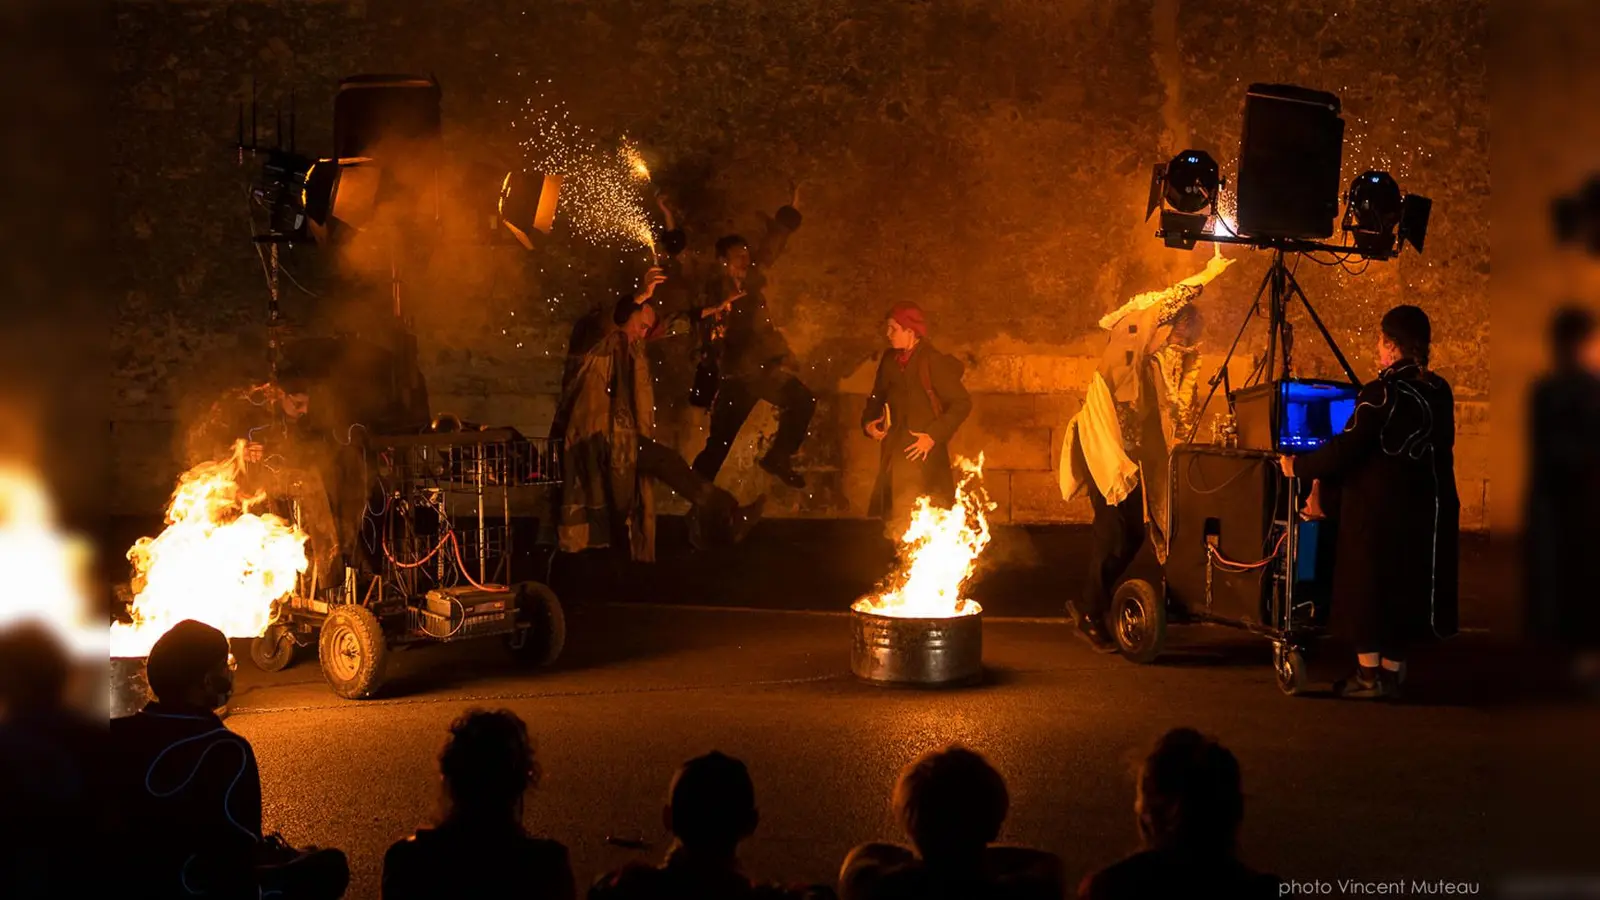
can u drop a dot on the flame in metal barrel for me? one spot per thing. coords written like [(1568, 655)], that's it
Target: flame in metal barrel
[(938, 554)]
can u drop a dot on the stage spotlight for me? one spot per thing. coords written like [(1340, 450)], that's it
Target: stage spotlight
[(528, 203), (1185, 190), (1380, 220), (1192, 182)]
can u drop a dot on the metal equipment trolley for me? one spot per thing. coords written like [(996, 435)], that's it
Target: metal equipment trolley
[(439, 529), (1239, 554)]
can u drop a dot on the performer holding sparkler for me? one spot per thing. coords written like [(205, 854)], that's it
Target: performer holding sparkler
[(1141, 400)]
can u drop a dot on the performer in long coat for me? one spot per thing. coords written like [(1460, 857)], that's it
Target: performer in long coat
[(609, 459), (1395, 576), (917, 403)]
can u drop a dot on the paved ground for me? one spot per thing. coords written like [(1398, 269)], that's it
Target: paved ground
[(644, 687)]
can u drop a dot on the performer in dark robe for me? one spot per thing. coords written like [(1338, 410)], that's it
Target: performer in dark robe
[(1395, 568), (916, 405)]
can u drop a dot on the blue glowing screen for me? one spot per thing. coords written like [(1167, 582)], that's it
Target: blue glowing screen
[(1314, 412)]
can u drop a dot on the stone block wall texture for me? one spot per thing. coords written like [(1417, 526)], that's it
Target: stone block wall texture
[(989, 160)]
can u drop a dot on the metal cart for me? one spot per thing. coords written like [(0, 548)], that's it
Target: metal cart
[(439, 530), (1239, 554)]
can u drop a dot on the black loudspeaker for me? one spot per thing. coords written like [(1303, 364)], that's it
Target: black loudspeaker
[(1225, 497), (372, 110), (1289, 156)]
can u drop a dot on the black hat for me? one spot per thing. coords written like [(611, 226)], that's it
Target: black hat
[(182, 658)]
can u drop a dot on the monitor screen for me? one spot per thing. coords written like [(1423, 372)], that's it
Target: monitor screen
[(1313, 411)]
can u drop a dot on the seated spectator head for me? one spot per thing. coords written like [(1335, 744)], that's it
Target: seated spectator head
[(190, 666), (711, 806), (1189, 794), (488, 767), (951, 803), (34, 669)]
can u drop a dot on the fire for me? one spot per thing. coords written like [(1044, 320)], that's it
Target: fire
[(217, 561), (938, 553), (48, 567)]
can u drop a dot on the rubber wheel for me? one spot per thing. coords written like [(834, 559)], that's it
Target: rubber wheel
[(273, 651), (541, 642), (353, 652), (1289, 666), (1138, 621)]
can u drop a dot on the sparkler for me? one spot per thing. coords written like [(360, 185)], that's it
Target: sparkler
[(602, 196)]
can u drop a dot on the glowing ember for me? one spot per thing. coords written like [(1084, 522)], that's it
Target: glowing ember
[(216, 561), (47, 567), (938, 553)]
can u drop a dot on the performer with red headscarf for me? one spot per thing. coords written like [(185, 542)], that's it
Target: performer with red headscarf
[(917, 403)]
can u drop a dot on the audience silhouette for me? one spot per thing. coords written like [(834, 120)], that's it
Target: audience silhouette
[(51, 765), (186, 811), (711, 809), (480, 849), (951, 804), (189, 790), (1190, 803)]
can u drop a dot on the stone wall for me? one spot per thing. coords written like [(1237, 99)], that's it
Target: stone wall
[(989, 160)]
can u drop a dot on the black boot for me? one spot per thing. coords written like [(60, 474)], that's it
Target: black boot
[(1091, 630)]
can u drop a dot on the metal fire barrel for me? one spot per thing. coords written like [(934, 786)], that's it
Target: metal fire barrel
[(943, 652), (129, 689)]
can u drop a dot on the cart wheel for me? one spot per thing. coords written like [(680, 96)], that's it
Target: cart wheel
[(353, 652), (1139, 620), (273, 651), (541, 641), (1290, 668)]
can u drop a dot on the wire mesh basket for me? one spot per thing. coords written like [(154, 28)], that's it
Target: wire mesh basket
[(468, 461)]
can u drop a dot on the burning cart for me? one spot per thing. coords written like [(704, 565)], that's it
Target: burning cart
[(440, 527)]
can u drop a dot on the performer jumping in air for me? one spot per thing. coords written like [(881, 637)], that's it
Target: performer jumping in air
[(752, 360), (917, 403), (1141, 400)]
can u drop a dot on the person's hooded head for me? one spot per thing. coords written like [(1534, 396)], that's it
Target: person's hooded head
[(190, 666)]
